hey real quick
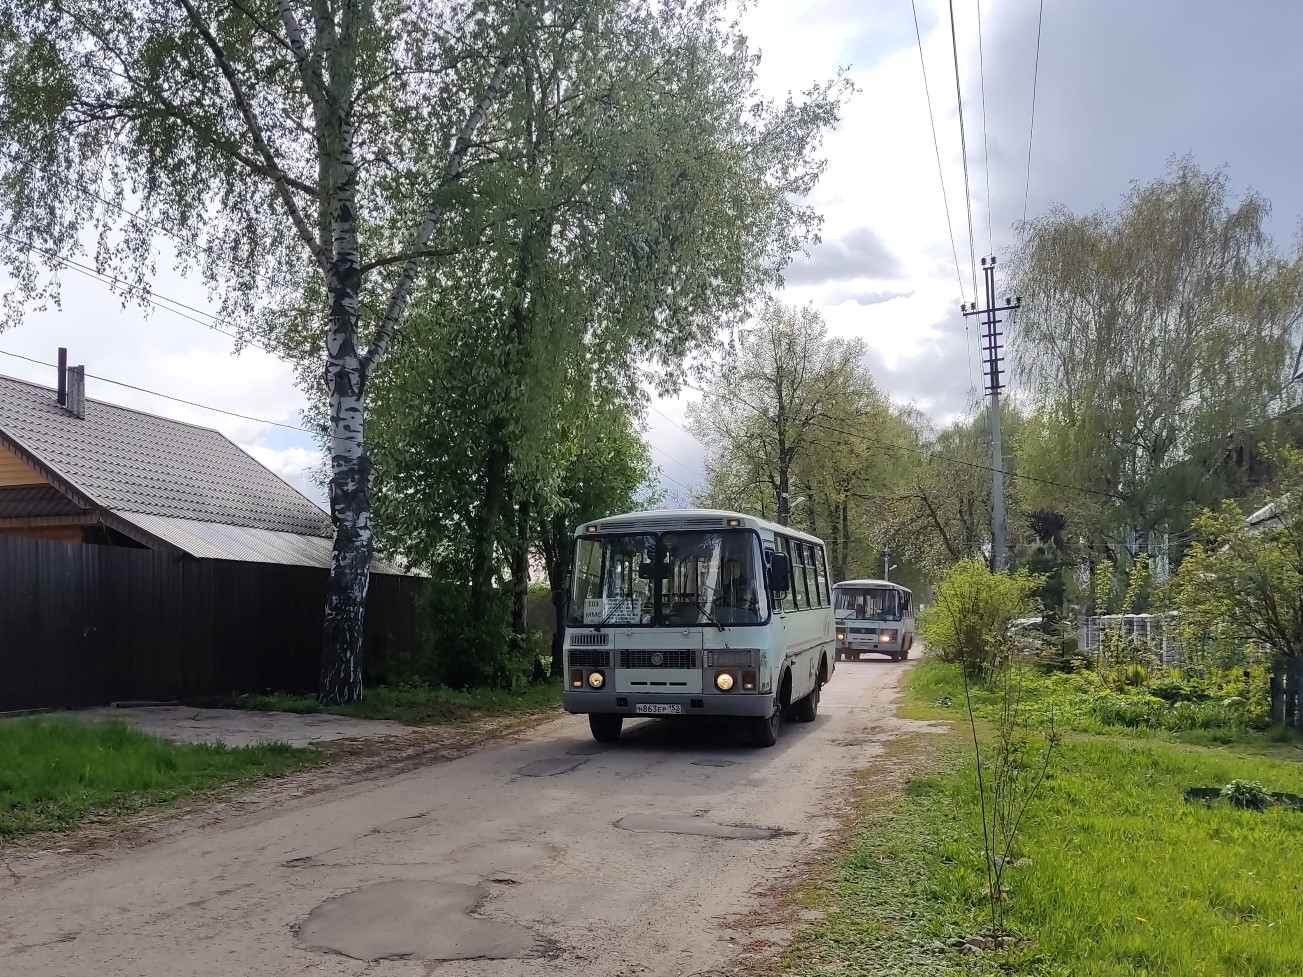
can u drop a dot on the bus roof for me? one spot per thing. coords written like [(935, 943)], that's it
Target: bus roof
[(871, 583), (684, 520)]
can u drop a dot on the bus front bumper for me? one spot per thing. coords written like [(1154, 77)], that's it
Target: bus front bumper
[(706, 704)]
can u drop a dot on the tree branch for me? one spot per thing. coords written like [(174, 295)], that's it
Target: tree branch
[(434, 213), (276, 173)]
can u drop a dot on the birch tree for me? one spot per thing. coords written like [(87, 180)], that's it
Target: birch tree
[(308, 157)]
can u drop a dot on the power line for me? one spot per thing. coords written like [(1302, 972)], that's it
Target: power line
[(1031, 129), (155, 393), (156, 299), (945, 198), (963, 148), (986, 146)]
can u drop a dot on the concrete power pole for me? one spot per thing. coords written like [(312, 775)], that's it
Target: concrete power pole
[(992, 348)]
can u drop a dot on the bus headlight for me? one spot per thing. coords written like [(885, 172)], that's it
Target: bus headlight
[(596, 680), (887, 636), (841, 635), (724, 681)]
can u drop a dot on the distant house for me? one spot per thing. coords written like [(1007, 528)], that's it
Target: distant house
[(147, 558)]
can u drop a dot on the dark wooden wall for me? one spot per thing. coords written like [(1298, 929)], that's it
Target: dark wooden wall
[(87, 625)]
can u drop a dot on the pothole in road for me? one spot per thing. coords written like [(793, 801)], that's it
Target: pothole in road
[(682, 825), (711, 761), (413, 921), (551, 767)]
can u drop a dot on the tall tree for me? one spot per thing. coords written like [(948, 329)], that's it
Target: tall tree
[(652, 199), (309, 157), (1149, 335)]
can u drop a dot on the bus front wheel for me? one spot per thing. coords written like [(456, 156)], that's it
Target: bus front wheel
[(605, 728), (807, 709), (764, 732)]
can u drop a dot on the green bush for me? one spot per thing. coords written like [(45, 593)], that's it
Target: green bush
[(468, 649), (969, 620)]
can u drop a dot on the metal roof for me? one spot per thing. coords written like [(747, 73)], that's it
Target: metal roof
[(187, 486), (217, 541), (127, 461)]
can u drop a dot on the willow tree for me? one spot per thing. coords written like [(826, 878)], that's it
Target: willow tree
[(308, 157), (652, 195), (1149, 335)]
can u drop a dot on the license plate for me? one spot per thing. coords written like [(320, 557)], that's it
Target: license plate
[(658, 709)]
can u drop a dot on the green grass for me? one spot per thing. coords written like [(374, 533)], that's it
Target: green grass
[(1222, 709), (413, 704), (56, 773), (1126, 876)]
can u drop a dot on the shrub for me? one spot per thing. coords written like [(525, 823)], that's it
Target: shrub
[(970, 618), (1248, 794)]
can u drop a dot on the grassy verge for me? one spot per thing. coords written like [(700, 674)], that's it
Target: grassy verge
[(415, 705), (56, 773), (1125, 877)]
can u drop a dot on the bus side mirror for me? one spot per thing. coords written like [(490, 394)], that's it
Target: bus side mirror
[(780, 575)]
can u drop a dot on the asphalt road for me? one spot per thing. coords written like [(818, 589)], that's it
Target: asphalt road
[(547, 855)]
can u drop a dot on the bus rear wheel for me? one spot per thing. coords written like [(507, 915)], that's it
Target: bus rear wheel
[(764, 732), (605, 728)]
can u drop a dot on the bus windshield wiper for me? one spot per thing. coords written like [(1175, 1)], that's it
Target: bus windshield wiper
[(615, 608), (705, 613)]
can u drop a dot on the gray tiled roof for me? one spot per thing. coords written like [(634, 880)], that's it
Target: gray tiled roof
[(128, 461)]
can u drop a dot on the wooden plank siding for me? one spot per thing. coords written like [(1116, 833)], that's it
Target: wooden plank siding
[(15, 471), (87, 625)]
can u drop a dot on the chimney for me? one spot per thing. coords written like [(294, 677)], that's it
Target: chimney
[(63, 376), (77, 391)]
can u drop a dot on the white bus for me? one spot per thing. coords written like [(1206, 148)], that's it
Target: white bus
[(873, 616), (697, 612)]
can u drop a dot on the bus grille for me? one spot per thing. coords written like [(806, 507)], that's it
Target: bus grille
[(585, 639), (657, 658), (590, 657)]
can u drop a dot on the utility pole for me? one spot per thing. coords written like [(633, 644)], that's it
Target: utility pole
[(991, 336), (886, 562)]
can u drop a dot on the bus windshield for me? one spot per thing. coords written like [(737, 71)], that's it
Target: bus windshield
[(669, 580), (868, 603)]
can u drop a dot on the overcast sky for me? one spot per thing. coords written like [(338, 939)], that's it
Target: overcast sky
[(1123, 87)]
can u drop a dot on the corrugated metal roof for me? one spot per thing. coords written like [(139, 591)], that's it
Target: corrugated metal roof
[(128, 461), (217, 541)]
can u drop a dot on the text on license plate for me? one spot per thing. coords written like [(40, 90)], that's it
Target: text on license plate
[(658, 708)]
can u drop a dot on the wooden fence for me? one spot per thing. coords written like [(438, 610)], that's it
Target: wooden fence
[(87, 625)]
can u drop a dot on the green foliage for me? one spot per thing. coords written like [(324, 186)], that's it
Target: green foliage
[(1238, 581), (969, 618), (1114, 875), (56, 773), (1150, 333), (1248, 794), (1217, 704)]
